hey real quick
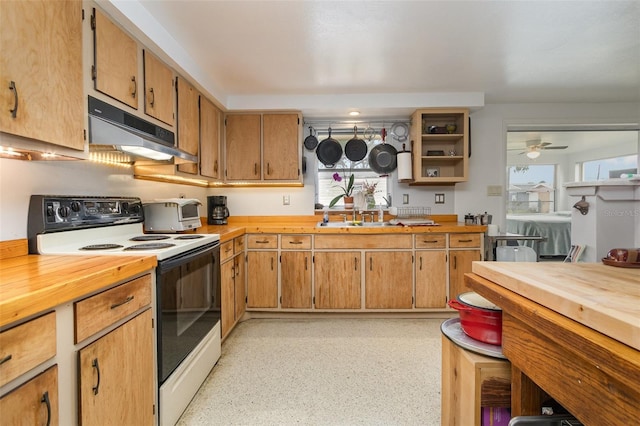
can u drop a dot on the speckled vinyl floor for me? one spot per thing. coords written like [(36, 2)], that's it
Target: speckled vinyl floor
[(324, 372)]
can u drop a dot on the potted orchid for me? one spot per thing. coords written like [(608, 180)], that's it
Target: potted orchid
[(347, 191)]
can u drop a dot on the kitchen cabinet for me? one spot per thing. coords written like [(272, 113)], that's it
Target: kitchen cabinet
[(463, 250), (115, 66), (388, 280), (159, 89), (281, 147), (263, 147), (33, 403), (188, 122), (431, 270), (262, 271), (441, 148), (232, 276), (295, 271), (469, 382), (42, 96), (242, 147), (337, 279), (116, 377), (210, 117)]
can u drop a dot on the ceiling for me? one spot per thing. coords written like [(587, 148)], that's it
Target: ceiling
[(334, 56)]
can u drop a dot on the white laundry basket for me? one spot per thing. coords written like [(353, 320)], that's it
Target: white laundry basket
[(516, 254)]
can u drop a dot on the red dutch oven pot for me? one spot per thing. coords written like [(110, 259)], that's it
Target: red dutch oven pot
[(479, 318)]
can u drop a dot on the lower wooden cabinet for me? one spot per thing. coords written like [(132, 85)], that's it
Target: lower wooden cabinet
[(431, 278), (33, 403), (337, 280), (389, 280), (232, 277), (460, 264), (295, 279), (116, 376), (262, 279)]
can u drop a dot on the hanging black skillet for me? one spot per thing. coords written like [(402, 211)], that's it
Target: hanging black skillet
[(356, 148), (329, 151), (383, 157), (311, 142)]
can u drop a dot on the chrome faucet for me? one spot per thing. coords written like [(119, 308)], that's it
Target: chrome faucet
[(344, 217)]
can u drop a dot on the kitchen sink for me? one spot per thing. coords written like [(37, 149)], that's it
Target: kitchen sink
[(353, 224)]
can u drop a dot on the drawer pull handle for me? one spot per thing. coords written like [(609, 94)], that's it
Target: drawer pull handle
[(295, 242), (228, 250), (125, 301), (262, 242), (45, 399), (14, 111), (465, 241), (95, 365), (5, 359), (430, 241)]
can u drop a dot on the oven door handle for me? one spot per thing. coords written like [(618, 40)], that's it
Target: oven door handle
[(186, 257)]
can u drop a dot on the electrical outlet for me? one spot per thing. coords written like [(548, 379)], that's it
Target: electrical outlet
[(286, 200), (405, 198), (494, 190), (439, 198)]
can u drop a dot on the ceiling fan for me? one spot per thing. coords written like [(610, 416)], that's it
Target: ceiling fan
[(535, 146)]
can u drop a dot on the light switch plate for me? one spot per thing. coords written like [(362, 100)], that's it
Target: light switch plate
[(494, 190), (405, 198), (286, 200)]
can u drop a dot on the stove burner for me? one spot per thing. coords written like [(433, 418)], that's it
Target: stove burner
[(189, 237), (101, 247), (150, 238), (149, 246)]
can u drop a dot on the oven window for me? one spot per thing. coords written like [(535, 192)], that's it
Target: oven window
[(188, 301)]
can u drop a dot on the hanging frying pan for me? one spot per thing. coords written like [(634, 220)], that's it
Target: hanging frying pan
[(356, 148), (382, 158), (311, 142), (329, 151)]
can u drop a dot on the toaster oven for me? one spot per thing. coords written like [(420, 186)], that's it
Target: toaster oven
[(172, 215)]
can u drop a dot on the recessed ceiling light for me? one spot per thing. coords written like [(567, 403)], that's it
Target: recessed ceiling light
[(354, 113)]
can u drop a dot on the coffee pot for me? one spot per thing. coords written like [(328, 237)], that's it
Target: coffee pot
[(217, 210)]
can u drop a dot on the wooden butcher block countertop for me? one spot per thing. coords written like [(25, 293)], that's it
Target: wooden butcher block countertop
[(604, 298), (31, 284)]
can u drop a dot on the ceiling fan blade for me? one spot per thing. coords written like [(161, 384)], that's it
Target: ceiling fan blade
[(556, 147), (543, 144)]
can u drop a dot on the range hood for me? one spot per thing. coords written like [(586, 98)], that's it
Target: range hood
[(112, 129)]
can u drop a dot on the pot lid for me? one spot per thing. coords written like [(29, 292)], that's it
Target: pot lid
[(474, 299)]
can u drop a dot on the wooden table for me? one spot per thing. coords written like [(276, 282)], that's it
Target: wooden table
[(571, 331)]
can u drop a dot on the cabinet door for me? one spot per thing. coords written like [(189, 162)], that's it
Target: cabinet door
[(158, 88), (116, 376), (459, 264), (242, 146), (262, 277), (210, 117), (431, 279), (115, 70), (295, 279), (281, 145), (337, 280), (34, 403), (240, 286), (41, 71), (188, 122), (227, 280), (388, 280)]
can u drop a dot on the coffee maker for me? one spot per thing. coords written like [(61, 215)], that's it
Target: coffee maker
[(217, 211)]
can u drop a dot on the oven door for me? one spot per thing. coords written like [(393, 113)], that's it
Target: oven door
[(188, 304)]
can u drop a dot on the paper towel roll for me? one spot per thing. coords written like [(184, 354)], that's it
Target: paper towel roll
[(404, 166), (492, 230)]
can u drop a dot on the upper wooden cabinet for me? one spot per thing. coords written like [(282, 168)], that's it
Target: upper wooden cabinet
[(441, 146), (210, 118), (188, 122), (115, 61), (263, 147), (41, 71), (158, 89)]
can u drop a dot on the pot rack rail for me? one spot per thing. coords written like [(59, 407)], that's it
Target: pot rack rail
[(346, 126)]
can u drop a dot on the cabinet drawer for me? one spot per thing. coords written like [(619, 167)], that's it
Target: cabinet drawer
[(431, 241), (26, 405), (100, 311), (26, 346), (464, 240), (296, 242), (226, 250), (363, 241), (262, 241), (238, 245)]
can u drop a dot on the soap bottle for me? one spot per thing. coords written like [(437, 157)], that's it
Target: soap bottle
[(325, 215), (380, 214)]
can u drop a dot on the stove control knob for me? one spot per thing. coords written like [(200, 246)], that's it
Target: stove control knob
[(125, 207), (75, 206), (63, 211), (135, 208)]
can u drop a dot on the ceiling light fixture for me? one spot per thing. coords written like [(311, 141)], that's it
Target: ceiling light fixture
[(533, 154), (354, 113)]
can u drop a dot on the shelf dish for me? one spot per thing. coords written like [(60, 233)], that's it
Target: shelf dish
[(452, 329)]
